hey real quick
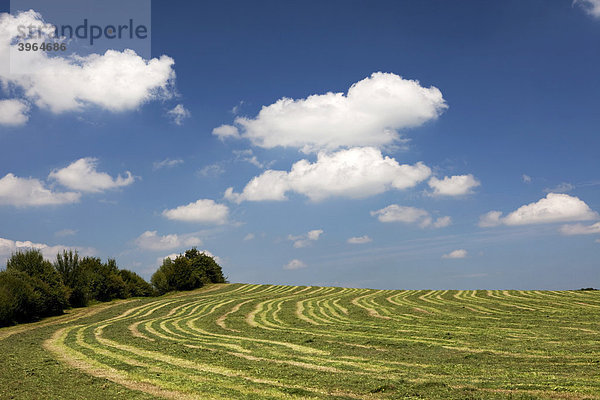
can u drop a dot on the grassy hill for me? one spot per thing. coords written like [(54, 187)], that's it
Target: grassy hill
[(242, 341)]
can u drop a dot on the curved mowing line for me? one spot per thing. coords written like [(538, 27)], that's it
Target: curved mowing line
[(340, 336)]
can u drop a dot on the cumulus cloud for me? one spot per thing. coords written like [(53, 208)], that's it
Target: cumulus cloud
[(13, 112), (226, 132), (82, 175), (457, 185), (178, 114), (173, 256), (356, 173), (249, 236), (149, 240), (8, 247), (580, 229), (591, 7), (555, 207), (305, 240), (461, 253), (294, 264), (115, 81), (203, 211), (560, 188), (410, 215), (526, 178), (360, 239), (23, 192), (166, 163), (371, 113)]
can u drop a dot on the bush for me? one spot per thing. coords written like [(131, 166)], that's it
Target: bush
[(135, 285), (18, 300), (188, 271), (104, 281), (44, 279)]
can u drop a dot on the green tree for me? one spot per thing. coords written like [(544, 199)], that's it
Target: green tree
[(19, 302), (45, 280), (74, 277), (135, 285), (188, 271), (105, 283)]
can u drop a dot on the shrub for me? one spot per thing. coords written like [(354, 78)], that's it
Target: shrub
[(18, 300), (104, 280), (45, 281), (135, 285), (188, 271)]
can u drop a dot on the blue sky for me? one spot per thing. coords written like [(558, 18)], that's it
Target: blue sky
[(366, 144)]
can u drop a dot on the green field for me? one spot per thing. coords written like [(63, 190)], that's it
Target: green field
[(236, 341)]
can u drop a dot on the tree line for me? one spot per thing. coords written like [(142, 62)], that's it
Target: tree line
[(32, 287)]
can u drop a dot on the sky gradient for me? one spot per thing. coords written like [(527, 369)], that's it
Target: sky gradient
[(393, 145)]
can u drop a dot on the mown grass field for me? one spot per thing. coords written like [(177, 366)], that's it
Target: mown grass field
[(241, 341)]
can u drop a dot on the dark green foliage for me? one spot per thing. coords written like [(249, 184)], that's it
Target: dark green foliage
[(203, 262), (32, 288), (188, 271), (18, 301), (74, 277), (104, 280), (135, 285), (28, 270)]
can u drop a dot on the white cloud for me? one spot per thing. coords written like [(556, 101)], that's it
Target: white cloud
[(314, 234), (178, 114), (592, 7), (560, 188), (580, 229), (166, 163), (356, 173), (248, 156), (13, 112), (370, 114), (442, 222), (115, 81), (555, 207), (226, 131), (82, 175), (211, 170), (149, 240), (410, 215), (218, 259), (360, 240), (526, 178), (65, 232), (236, 109), (203, 211), (456, 185), (173, 256), (8, 247), (294, 264), (461, 253), (249, 236), (491, 218), (304, 240), (23, 192)]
